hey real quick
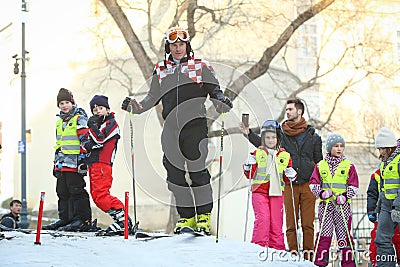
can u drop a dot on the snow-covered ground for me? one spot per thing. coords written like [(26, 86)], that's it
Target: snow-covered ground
[(183, 250)]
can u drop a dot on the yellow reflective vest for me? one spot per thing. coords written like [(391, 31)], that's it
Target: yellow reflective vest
[(337, 183), (390, 178), (262, 161), (67, 138)]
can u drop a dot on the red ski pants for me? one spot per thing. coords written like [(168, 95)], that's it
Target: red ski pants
[(100, 175)]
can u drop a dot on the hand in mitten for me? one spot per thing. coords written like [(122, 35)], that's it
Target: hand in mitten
[(89, 146), (372, 216), (131, 105), (290, 173), (341, 199), (57, 173), (395, 214), (249, 162), (247, 167), (325, 194), (93, 121), (224, 105)]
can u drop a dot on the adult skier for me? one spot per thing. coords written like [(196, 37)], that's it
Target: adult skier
[(182, 83)]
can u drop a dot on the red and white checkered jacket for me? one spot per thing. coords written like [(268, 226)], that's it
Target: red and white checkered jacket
[(192, 68)]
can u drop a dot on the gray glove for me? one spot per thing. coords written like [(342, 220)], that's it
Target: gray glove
[(395, 214), (290, 173)]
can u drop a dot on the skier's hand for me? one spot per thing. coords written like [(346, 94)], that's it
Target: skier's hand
[(56, 173), (224, 105), (395, 215), (290, 173), (93, 121), (341, 199), (372, 216), (325, 194), (91, 145), (131, 105), (247, 167)]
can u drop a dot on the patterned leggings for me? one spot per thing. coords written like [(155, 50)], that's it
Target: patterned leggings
[(334, 221)]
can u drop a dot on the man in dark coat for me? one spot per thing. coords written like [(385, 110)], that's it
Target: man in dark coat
[(11, 220)]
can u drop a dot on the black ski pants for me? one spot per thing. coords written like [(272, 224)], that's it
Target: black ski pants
[(73, 199), (188, 148)]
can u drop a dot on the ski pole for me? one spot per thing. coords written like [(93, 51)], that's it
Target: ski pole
[(348, 236), (247, 208), (295, 218), (39, 223), (136, 225), (320, 228), (220, 173), (126, 215)]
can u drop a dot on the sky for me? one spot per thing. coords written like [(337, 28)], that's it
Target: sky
[(180, 250)]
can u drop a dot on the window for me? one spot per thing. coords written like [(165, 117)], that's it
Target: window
[(308, 40)]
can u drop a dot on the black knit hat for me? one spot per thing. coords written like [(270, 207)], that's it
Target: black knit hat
[(99, 100), (65, 95)]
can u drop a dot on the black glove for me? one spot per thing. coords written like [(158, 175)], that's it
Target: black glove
[(93, 121), (56, 173), (131, 105), (372, 216), (82, 167), (91, 145), (224, 105)]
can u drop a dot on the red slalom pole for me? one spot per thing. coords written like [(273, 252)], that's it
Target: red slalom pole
[(126, 215), (39, 222)]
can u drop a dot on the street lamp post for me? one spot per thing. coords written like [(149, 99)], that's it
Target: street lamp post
[(24, 212)]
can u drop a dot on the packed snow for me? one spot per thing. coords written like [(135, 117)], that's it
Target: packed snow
[(181, 250)]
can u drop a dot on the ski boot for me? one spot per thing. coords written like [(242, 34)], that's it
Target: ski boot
[(189, 222), (78, 226), (55, 225), (203, 223), (118, 226)]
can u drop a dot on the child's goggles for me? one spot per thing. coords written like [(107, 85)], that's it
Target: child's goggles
[(176, 33)]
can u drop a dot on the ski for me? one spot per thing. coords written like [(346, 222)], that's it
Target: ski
[(191, 231), (146, 236), (71, 234), (8, 229), (2, 236)]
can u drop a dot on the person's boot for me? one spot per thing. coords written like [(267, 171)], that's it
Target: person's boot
[(55, 225), (182, 222), (118, 226), (203, 223), (347, 258), (78, 226)]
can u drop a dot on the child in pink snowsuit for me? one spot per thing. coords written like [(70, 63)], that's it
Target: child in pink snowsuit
[(269, 167), (334, 181)]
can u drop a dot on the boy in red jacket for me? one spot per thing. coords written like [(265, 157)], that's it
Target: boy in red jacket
[(101, 147)]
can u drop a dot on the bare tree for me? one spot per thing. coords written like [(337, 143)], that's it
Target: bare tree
[(207, 21)]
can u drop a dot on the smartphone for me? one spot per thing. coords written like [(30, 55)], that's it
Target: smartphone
[(245, 119)]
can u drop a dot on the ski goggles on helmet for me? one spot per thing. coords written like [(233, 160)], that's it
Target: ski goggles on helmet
[(270, 124), (175, 33)]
